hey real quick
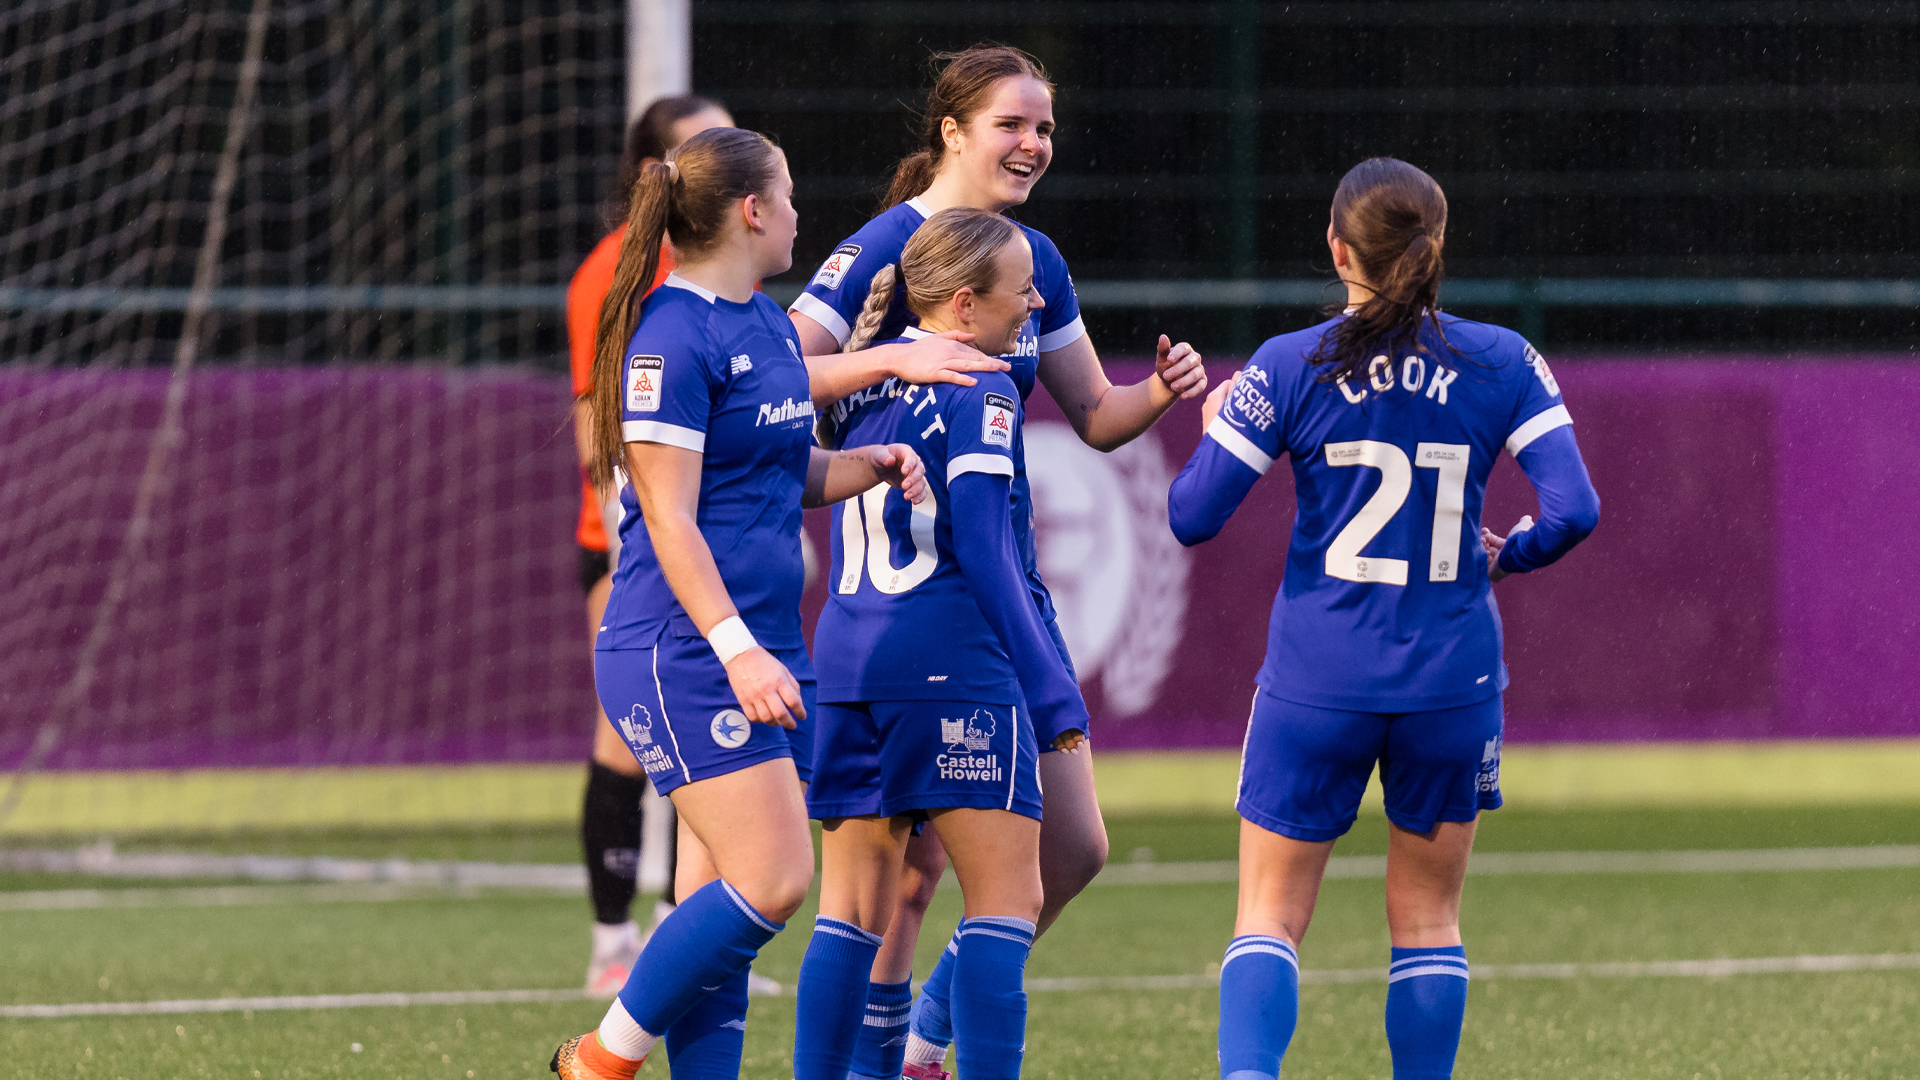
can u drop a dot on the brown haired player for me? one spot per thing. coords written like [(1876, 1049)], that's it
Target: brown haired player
[(1384, 648), (610, 824), (987, 138), (701, 416)]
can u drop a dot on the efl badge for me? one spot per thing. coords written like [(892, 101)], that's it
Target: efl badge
[(644, 374), (836, 266), (996, 423)]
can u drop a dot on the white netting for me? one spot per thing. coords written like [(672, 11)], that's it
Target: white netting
[(383, 149), (216, 562)]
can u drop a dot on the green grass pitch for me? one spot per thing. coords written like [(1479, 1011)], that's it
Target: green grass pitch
[(1852, 1024)]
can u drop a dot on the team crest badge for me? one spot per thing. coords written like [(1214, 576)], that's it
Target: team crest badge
[(731, 729)]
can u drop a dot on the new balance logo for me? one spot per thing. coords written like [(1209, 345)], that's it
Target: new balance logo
[(741, 364)]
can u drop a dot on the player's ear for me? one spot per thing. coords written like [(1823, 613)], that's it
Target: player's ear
[(962, 305), (750, 211), (950, 133)]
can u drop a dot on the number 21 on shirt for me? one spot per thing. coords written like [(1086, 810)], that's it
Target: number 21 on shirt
[(1344, 560)]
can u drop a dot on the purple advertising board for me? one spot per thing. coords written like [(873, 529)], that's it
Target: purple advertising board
[(377, 565)]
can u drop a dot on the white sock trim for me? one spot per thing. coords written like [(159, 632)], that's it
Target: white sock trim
[(922, 1052), (620, 1034)]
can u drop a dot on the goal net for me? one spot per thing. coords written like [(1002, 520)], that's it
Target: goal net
[(239, 535)]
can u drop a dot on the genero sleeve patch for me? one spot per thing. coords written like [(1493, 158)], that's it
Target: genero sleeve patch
[(644, 376), (1541, 369), (834, 270), (997, 420)]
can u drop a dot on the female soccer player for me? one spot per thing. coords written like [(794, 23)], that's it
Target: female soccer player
[(935, 668), (610, 819), (1392, 414), (703, 409), (987, 139)]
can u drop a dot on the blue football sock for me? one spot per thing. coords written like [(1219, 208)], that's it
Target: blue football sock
[(989, 998), (933, 1010), (833, 998), (1259, 1005), (881, 1051), (711, 937), (707, 1041), (1426, 1004)]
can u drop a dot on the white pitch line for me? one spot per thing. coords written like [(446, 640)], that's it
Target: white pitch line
[(300, 1001), (220, 896), (371, 876), (1875, 857), (1710, 969)]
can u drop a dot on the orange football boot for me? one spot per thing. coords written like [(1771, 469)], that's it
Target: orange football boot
[(583, 1058)]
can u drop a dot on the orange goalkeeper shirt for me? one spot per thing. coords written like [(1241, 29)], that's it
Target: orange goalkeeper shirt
[(585, 294)]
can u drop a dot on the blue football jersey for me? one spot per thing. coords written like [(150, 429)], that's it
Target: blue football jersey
[(900, 623), (1385, 605), (724, 380), (839, 290)]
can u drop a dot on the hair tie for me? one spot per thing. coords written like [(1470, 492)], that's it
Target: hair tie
[(673, 172), (1418, 230)]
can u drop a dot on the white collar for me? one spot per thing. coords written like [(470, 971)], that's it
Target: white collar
[(919, 207), (679, 282), (914, 333)]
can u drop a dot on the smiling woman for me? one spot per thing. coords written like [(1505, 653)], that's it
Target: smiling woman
[(987, 138)]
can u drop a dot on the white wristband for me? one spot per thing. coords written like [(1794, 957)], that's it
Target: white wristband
[(729, 638)]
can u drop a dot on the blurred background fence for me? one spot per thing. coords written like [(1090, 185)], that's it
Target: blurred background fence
[(362, 562)]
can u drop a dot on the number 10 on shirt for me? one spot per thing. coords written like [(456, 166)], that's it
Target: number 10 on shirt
[(869, 545)]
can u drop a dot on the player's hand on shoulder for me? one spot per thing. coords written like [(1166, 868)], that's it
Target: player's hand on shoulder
[(899, 467), (1216, 401), (1493, 544), (765, 689), (944, 358), (1069, 741), (1179, 368)]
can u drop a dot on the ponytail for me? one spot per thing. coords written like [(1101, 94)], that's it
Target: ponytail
[(620, 312), (964, 87), (1393, 217), (874, 311), (826, 428), (689, 197), (912, 176)]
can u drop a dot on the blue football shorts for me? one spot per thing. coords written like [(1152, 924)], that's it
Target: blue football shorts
[(1304, 768), (674, 707), (907, 757)]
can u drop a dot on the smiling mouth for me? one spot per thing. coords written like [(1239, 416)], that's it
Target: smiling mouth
[(1021, 169)]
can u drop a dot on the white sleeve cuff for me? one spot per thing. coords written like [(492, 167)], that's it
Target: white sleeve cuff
[(821, 312), (1239, 446), (1063, 337), (980, 463), (1556, 417), (654, 431)]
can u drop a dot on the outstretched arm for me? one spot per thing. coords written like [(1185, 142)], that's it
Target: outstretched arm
[(1106, 416), (836, 475), (983, 544), (832, 374), (1569, 507)]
